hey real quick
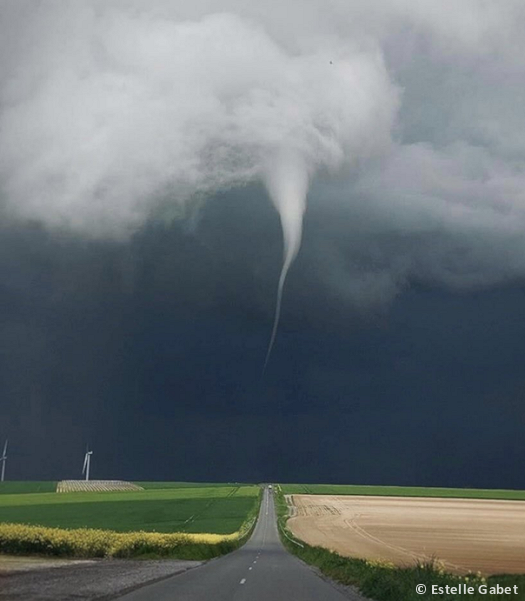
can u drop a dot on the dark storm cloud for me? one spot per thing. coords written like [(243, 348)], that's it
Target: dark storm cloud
[(158, 365)]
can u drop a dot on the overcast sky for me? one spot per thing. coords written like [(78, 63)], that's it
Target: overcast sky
[(156, 156)]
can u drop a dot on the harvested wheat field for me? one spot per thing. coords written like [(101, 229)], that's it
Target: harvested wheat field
[(96, 486), (465, 534)]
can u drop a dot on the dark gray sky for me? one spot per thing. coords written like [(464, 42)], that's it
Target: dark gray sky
[(152, 351), (155, 157)]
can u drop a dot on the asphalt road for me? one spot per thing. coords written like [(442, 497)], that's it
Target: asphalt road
[(261, 570)]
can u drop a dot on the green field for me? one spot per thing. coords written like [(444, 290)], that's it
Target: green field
[(402, 491), (11, 488), (161, 485), (215, 509)]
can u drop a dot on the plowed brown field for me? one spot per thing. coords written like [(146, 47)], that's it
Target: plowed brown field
[(465, 534)]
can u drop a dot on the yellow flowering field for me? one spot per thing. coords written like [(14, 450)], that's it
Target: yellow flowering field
[(87, 542)]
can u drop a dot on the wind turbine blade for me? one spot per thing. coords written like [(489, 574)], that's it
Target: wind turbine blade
[(85, 463), (5, 447)]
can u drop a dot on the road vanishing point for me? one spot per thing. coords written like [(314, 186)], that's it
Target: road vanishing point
[(260, 570)]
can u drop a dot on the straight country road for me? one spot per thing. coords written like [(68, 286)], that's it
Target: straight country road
[(260, 570)]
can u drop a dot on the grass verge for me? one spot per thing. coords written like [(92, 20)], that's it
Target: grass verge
[(386, 582)]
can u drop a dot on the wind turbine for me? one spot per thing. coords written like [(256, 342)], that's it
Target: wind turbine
[(87, 462), (3, 459)]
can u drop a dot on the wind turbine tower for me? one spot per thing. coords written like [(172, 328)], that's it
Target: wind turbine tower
[(3, 459), (87, 462)]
